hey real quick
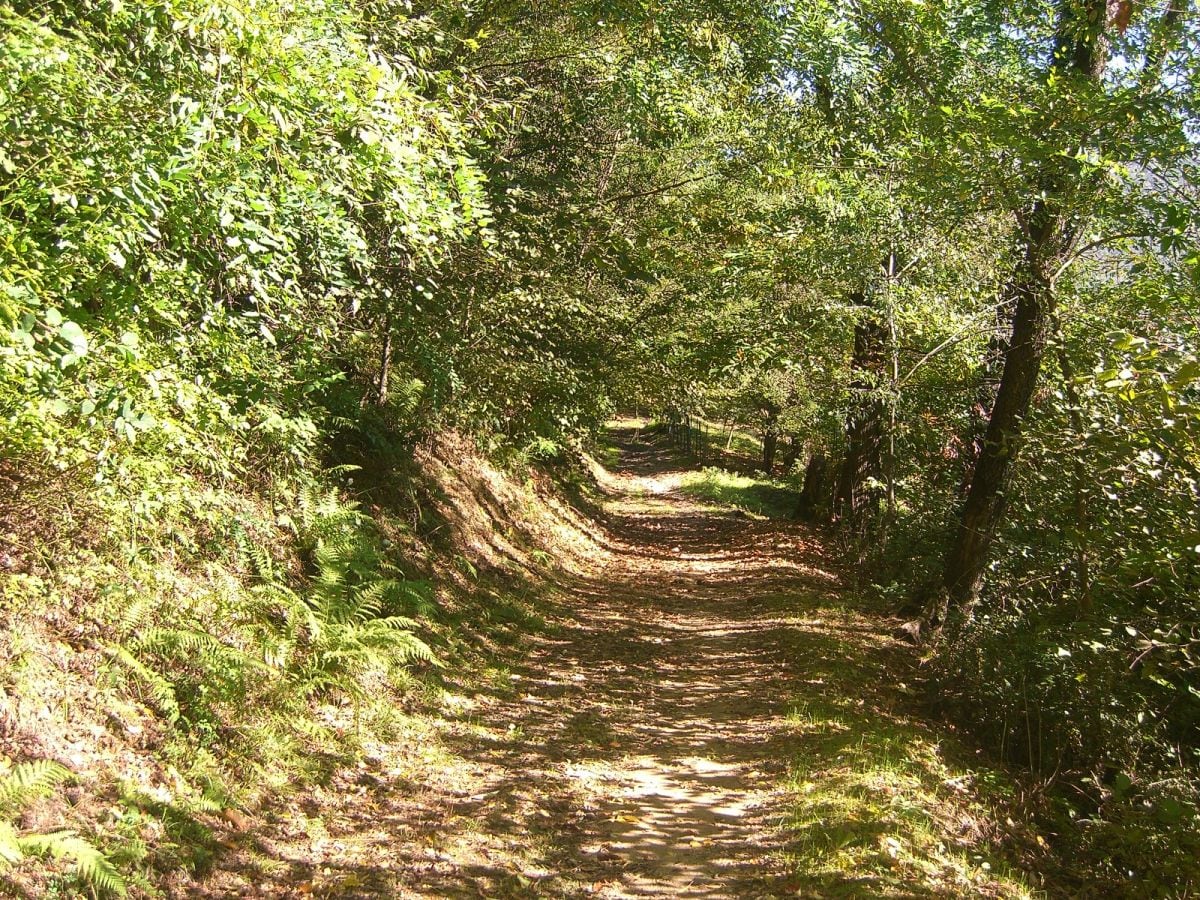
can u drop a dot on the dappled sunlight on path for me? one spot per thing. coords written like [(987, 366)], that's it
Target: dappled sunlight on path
[(707, 717), (663, 700)]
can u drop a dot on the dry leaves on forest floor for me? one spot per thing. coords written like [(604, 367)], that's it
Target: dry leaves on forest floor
[(701, 722)]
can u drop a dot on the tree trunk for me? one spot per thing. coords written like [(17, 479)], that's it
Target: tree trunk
[(385, 362), (985, 394), (791, 453), (770, 441), (1051, 226), (986, 498), (814, 496), (865, 422)]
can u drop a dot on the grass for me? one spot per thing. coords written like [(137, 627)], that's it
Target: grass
[(608, 455), (740, 449), (738, 445), (760, 496), (237, 661), (880, 807)]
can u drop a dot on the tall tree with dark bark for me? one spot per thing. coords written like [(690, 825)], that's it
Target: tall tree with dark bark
[(1049, 227), (862, 465)]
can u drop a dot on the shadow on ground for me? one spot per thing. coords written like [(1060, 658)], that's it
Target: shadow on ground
[(707, 719)]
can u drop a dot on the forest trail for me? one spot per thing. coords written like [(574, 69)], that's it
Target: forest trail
[(665, 702), (654, 743)]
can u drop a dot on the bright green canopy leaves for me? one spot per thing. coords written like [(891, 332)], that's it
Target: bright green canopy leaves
[(242, 241)]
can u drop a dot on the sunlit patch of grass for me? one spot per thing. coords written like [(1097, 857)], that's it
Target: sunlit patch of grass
[(497, 678), (803, 717), (608, 455), (739, 443), (878, 809), (717, 441), (754, 495)]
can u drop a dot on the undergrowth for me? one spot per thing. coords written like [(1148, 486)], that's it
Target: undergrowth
[(880, 802), (217, 681), (760, 496), (26, 783)]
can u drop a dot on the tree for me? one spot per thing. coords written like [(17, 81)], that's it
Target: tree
[(1064, 188)]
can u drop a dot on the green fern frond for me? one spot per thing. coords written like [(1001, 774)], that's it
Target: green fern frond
[(160, 689), (30, 781), (407, 647), (391, 635), (206, 804), (325, 513), (343, 423), (256, 555), (417, 597), (344, 623), (332, 564), (136, 612), (276, 594), (297, 614), (10, 846), (276, 651), (370, 599), (317, 683), (174, 642), (91, 865)]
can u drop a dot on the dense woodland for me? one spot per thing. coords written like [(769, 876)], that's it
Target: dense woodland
[(940, 257)]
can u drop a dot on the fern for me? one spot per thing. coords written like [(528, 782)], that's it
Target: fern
[(406, 647), (197, 644), (136, 612), (407, 395), (30, 781), (256, 553), (11, 851), (91, 865), (371, 598), (160, 689), (345, 620), (324, 513)]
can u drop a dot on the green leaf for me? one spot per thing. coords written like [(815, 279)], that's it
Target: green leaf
[(73, 334), (1187, 373)]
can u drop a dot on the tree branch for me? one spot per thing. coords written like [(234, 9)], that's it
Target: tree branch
[(1092, 245), (660, 189)]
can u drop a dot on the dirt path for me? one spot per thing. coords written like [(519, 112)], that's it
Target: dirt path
[(702, 723), (664, 703)]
